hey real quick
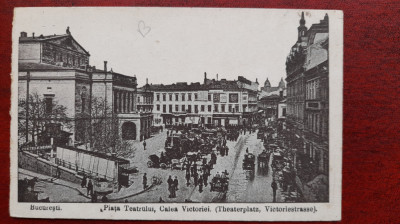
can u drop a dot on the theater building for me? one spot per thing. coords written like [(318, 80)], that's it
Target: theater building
[(56, 69)]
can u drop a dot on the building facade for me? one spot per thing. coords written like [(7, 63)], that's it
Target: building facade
[(145, 100), (270, 99), (307, 67), (55, 70), (213, 103)]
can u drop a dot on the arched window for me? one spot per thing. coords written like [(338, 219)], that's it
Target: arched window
[(129, 131)]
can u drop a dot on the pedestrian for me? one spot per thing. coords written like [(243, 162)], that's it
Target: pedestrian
[(188, 165), (94, 197), (170, 183), (84, 180), (195, 167), (176, 183), (201, 183), (226, 150), (205, 177), (144, 145), (213, 158), (90, 188), (195, 178), (144, 181), (167, 133), (188, 179), (274, 186)]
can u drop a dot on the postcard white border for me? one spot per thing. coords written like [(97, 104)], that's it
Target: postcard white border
[(325, 211)]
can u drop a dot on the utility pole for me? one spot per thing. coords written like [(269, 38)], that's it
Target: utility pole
[(28, 74)]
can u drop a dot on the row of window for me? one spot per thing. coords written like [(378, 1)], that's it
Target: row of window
[(317, 124), (181, 96), (69, 59), (318, 156), (146, 100), (182, 119), (216, 108), (312, 90), (295, 88), (216, 97), (296, 110)]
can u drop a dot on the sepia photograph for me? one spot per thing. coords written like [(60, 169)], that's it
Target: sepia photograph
[(159, 107)]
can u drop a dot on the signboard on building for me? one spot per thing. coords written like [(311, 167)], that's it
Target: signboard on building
[(233, 98), (223, 98), (203, 95)]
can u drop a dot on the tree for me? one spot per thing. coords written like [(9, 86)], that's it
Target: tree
[(41, 111), (104, 135)]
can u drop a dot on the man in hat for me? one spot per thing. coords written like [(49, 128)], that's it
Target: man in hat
[(144, 181), (274, 187)]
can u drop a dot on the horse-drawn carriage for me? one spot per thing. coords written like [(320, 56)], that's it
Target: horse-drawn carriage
[(163, 158), (248, 161), (220, 182), (263, 159), (232, 135)]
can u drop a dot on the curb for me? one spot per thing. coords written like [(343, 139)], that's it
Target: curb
[(82, 194)]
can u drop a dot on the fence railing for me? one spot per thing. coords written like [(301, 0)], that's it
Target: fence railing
[(80, 170)]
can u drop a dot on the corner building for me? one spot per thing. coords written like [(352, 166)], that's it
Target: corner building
[(56, 68), (213, 103), (307, 68)]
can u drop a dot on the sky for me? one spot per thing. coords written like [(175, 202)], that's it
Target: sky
[(168, 45)]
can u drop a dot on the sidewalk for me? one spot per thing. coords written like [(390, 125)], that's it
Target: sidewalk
[(124, 193)]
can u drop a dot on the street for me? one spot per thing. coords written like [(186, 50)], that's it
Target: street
[(242, 187)]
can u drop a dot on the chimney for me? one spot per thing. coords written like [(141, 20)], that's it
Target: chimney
[(24, 34), (205, 77), (33, 35), (217, 76), (147, 81), (105, 66)]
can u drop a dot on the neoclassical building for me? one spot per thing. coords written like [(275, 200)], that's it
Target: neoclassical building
[(56, 69)]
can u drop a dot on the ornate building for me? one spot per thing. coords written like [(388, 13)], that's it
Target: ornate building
[(56, 69), (308, 107), (267, 88)]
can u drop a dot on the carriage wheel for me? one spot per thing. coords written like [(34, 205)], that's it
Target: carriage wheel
[(150, 164), (163, 166)]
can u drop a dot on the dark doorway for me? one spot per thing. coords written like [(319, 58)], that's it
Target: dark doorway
[(129, 131)]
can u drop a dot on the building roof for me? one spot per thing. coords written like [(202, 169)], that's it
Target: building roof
[(317, 53), (270, 97), (223, 84), (267, 83), (63, 40), (180, 86)]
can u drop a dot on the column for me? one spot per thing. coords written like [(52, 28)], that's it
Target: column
[(123, 102), (129, 102), (134, 102), (115, 101), (126, 102), (119, 102)]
